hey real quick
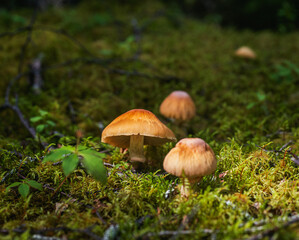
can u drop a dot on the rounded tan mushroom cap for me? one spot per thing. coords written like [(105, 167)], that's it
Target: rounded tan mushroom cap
[(137, 122), (191, 156), (178, 105), (245, 52)]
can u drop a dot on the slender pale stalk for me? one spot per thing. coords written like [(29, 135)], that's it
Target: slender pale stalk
[(185, 187), (136, 148)]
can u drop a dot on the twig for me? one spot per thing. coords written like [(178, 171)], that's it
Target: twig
[(65, 34), (176, 233), (11, 83), (285, 145), (11, 34), (144, 75), (294, 157), (137, 36), (270, 232), (87, 231), (36, 76), (23, 120), (59, 186)]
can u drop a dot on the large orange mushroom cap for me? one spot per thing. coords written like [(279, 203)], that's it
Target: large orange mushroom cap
[(178, 105), (134, 129), (192, 158), (137, 122)]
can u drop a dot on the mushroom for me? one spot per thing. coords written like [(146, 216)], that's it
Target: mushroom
[(245, 52), (178, 105), (191, 158), (134, 129)]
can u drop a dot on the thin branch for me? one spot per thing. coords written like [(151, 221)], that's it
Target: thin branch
[(144, 75), (65, 34), (177, 233), (87, 231), (17, 31), (294, 157), (10, 85), (272, 231), (137, 37), (23, 120)]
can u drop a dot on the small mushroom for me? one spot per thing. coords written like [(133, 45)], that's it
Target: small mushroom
[(245, 52), (191, 158), (178, 105), (134, 129)]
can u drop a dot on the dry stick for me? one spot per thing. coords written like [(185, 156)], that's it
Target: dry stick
[(294, 158), (64, 33), (270, 232), (11, 83), (177, 233), (23, 120), (137, 37), (87, 231), (166, 78), (36, 77), (11, 34), (59, 186), (144, 75)]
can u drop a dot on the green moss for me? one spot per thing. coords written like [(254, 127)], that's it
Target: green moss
[(240, 104)]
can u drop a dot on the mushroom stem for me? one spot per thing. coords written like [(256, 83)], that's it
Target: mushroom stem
[(185, 187), (136, 148)]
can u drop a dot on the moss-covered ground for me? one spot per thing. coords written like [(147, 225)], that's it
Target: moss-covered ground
[(116, 58)]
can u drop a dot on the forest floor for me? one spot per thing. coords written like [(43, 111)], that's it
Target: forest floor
[(78, 68)]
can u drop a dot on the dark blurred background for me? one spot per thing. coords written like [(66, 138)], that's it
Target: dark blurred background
[(276, 15)]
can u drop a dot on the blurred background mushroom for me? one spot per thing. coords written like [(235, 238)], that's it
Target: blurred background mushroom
[(134, 129), (180, 107), (245, 52), (191, 159)]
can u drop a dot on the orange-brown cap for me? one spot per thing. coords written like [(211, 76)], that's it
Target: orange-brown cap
[(178, 105), (245, 52), (191, 156), (137, 122)]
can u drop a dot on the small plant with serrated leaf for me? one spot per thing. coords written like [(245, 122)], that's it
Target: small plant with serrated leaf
[(24, 187), (43, 122), (71, 156)]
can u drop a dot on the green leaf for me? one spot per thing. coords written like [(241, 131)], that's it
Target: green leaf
[(50, 123), (34, 184), (250, 105), (82, 148), (40, 127), (261, 96), (43, 113), (35, 119), (70, 163), (13, 185), (24, 190), (94, 165), (92, 152), (58, 154)]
